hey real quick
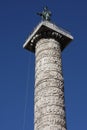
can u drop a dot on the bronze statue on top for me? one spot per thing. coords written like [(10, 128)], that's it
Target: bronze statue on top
[(45, 14)]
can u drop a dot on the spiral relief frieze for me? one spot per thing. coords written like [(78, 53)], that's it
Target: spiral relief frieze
[(49, 107)]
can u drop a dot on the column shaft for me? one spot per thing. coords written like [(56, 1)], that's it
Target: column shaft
[(49, 87)]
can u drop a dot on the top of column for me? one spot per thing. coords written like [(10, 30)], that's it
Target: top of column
[(46, 29)]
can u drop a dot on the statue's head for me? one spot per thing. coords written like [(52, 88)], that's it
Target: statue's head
[(45, 8)]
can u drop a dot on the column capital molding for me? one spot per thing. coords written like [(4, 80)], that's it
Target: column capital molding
[(48, 30)]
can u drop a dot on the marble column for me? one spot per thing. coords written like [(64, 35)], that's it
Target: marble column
[(47, 41), (49, 87)]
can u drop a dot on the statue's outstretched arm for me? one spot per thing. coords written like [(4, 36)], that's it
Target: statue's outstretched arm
[(40, 14)]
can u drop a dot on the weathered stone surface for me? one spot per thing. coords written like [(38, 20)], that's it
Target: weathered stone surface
[(47, 29), (49, 87)]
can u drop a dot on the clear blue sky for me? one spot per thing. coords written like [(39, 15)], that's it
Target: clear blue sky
[(17, 20)]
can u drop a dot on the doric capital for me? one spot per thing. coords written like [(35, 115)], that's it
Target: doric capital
[(48, 30)]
